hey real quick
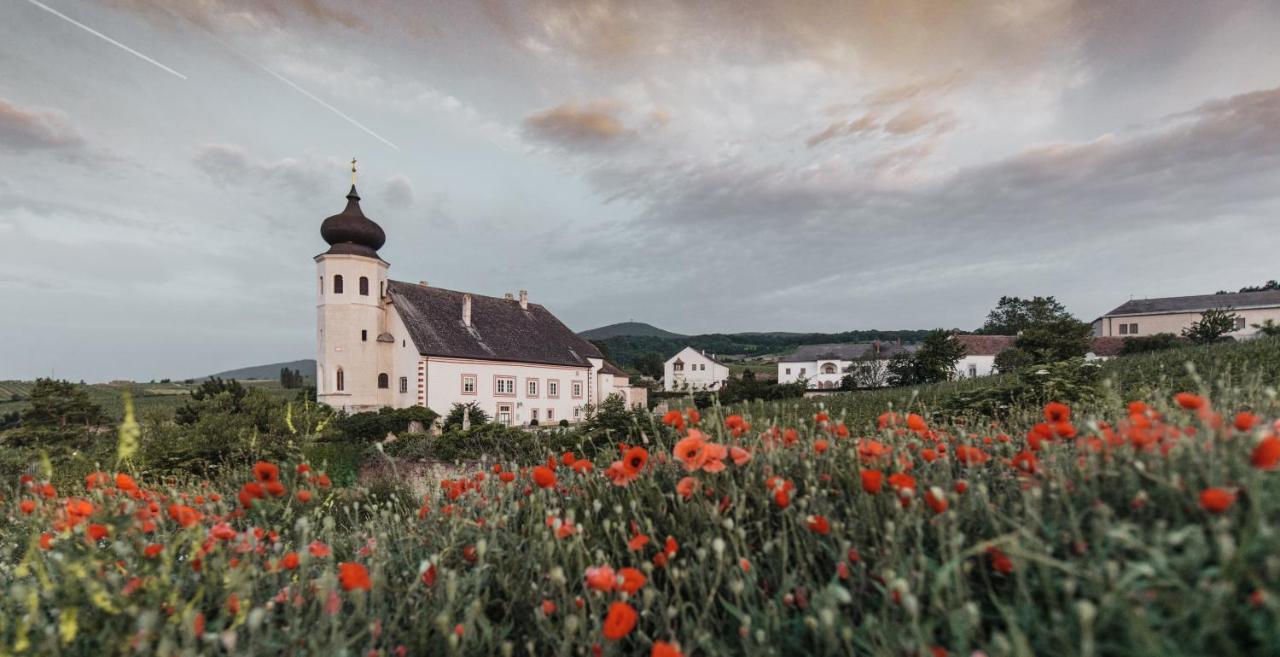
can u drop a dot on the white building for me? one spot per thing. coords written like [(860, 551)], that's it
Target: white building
[(1141, 317), (980, 354), (691, 369), (824, 366), (391, 343)]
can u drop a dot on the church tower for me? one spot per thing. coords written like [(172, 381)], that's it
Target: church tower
[(353, 363)]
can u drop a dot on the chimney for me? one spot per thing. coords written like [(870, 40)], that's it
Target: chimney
[(508, 296), (466, 310), (423, 284), (524, 299)]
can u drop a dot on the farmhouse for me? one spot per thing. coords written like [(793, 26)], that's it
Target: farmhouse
[(980, 354), (691, 369), (1138, 317), (823, 366), (384, 342)]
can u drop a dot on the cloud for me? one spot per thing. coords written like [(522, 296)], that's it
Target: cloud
[(588, 125), (229, 165), (916, 117), (865, 123), (33, 128), (398, 192), (208, 13)]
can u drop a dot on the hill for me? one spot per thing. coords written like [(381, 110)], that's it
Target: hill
[(628, 329), (270, 371)]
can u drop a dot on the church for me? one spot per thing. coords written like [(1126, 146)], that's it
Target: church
[(384, 342)]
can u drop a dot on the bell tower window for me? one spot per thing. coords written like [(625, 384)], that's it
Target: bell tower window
[(364, 286), (337, 283)]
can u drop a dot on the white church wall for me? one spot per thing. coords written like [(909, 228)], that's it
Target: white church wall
[(349, 324)]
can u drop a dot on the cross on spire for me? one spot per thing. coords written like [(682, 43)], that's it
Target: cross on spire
[(353, 171)]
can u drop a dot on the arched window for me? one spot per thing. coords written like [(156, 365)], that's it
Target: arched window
[(337, 283), (829, 368), (384, 381), (342, 381), (364, 286)]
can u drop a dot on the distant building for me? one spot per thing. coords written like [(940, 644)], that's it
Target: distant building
[(980, 354), (691, 369), (824, 366), (1139, 317), (391, 343)]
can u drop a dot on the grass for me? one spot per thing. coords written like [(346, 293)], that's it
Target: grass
[(161, 398), (1096, 543)]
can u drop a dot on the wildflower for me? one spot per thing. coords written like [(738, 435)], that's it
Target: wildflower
[(692, 450), (936, 499), (916, 423), (620, 620), (664, 649), (1026, 463), (1056, 412), (125, 483), (635, 459), (1189, 401), (739, 455), (821, 446), (686, 486), (744, 565), (507, 477), (304, 496), (1266, 454), (185, 516), (818, 525), (821, 417), (903, 483), (871, 450), (674, 420), (250, 492), (319, 550), (95, 480), (637, 542), (353, 576), (544, 477), (429, 575), (967, 455), (1000, 562), (46, 541), (601, 578), (872, 481), (736, 425), (632, 580), (548, 607), (290, 561), (1245, 421), (1216, 500), (582, 466), (693, 415), (266, 472), (27, 506), (96, 532)]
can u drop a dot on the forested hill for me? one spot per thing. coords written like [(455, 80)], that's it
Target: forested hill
[(628, 328), (623, 349)]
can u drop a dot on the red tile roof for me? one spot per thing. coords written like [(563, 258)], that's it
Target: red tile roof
[(985, 345)]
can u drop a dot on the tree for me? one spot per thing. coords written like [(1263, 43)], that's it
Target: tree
[(60, 404), (902, 370), (290, 379), (1013, 315), (1268, 328), (649, 363), (230, 392), (1269, 285), (937, 357), (1212, 325), (868, 372), (1058, 339), (1147, 343), (475, 415), (1012, 360)]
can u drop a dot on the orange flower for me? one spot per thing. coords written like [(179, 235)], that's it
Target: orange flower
[(620, 620), (739, 455), (544, 477), (1216, 500), (635, 459), (304, 496), (916, 423), (686, 486), (265, 472), (632, 580), (674, 420), (692, 450), (1266, 454), (971, 455), (664, 649), (353, 576), (125, 482), (184, 515), (820, 446), (290, 561), (872, 481), (318, 549), (1188, 400), (601, 578), (568, 458), (821, 416), (637, 542), (46, 541), (818, 525)]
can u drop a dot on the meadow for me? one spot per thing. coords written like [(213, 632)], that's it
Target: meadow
[(969, 518), (161, 398)]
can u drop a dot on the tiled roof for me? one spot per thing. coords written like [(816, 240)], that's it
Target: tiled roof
[(985, 345), (845, 351), (610, 368), (500, 329), (1198, 303)]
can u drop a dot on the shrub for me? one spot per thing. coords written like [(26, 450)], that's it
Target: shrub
[(474, 414), (374, 426), (1148, 343)]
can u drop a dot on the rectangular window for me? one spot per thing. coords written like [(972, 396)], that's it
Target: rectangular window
[(533, 416), (788, 370), (551, 415), (504, 414), (577, 412), (973, 371), (802, 371), (364, 336), (531, 388), (504, 385), (404, 384), (1124, 329), (1133, 329), (468, 384), (1239, 323), (553, 389), (577, 389)]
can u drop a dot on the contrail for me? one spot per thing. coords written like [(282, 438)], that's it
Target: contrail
[(102, 36), (327, 106)]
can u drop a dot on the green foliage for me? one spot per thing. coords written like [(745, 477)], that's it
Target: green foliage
[(1012, 359), (937, 356), (9, 420), (291, 379), (1069, 381), (749, 388), (60, 404), (216, 442), (1269, 285), (471, 410), (1212, 325), (370, 426), (649, 363), (1148, 343), (623, 350), (213, 394), (1058, 339), (1013, 315), (340, 459), (1268, 328)]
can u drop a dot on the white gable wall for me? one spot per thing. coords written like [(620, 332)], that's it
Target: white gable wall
[(699, 372)]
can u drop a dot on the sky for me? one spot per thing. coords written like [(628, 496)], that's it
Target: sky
[(715, 166)]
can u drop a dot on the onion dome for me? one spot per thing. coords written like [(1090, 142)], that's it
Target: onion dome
[(350, 232)]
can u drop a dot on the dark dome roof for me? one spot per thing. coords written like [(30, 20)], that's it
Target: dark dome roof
[(350, 232)]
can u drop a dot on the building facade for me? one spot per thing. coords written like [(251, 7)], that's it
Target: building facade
[(1139, 317), (691, 370), (383, 342), (824, 366)]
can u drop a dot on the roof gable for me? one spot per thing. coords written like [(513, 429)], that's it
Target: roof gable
[(500, 329), (1197, 303)]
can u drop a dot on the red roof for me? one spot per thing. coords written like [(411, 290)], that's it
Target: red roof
[(985, 345)]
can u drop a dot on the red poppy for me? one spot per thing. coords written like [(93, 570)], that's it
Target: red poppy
[(637, 542), (664, 649), (125, 482), (635, 459), (620, 620), (692, 450), (632, 580), (916, 423), (739, 455), (548, 607), (820, 446), (544, 477), (1216, 500), (318, 549), (818, 525), (290, 561), (1026, 463), (152, 550), (872, 481), (1000, 562), (96, 532), (1189, 401), (353, 576), (265, 472), (1056, 412), (673, 419), (27, 506), (304, 496), (1266, 454), (1245, 421), (601, 578), (936, 499)]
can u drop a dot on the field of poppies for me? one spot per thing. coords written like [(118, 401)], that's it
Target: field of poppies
[(1121, 527)]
